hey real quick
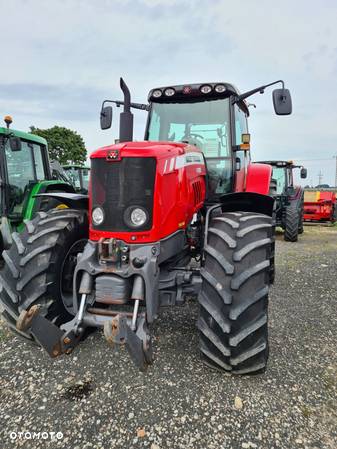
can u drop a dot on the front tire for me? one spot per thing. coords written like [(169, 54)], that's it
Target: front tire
[(37, 267), (233, 300), (291, 224)]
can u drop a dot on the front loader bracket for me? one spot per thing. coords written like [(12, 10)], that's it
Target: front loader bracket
[(54, 340), (118, 332)]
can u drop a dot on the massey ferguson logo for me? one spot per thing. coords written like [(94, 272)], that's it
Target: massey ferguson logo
[(112, 155)]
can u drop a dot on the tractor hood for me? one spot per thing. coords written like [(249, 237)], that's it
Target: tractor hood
[(159, 150)]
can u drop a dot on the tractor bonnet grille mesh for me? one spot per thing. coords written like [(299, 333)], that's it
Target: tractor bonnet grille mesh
[(118, 185)]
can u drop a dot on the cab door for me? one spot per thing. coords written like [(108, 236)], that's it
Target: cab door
[(241, 158)]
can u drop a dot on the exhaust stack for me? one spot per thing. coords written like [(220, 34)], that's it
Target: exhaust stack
[(126, 117)]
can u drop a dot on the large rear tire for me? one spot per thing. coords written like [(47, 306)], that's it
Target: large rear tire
[(291, 224), (38, 266), (234, 296), (301, 218)]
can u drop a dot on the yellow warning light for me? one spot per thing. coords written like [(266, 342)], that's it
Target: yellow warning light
[(245, 138), (8, 120)]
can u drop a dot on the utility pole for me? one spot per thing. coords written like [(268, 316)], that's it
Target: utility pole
[(336, 172), (320, 177)]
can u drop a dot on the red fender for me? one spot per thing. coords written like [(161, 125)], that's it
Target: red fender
[(258, 178)]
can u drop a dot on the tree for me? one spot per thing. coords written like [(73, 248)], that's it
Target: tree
[(64, 145)]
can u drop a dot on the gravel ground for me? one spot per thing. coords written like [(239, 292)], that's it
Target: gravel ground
[(97, 399)]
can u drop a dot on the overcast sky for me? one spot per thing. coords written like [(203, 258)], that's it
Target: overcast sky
[(60, 59)]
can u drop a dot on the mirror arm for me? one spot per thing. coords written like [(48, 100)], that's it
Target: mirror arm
[(141, 106), (257, 89)]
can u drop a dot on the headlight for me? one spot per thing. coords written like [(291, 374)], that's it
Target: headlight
[(97, 216), (206, 89), (157, 93), (169, 92), (135, 216), (220, 88)]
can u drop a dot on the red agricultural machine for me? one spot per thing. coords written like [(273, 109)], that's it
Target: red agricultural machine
[(320, 206), (182, 213)]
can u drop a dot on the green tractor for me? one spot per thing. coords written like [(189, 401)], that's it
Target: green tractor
[(79, 177), (24, 173)]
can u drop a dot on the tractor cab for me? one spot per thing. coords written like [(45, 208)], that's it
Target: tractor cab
[(24, 172), (209, 116), (79, 177), (289, 198), (23, 166), (283, 175), (201, 115)]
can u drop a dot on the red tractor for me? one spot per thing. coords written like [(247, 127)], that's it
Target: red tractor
[(288, 198), (182, 213)]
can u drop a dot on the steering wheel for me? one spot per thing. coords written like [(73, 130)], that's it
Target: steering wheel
[(194, 139), (193, 135)]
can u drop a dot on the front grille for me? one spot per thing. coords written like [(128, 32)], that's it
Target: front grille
[(117, 185)]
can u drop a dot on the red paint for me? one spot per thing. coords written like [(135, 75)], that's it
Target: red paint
[(322, 209), (257, 180), (174, 196)]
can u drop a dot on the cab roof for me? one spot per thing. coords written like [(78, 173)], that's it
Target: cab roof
[(277, 163), (179, 88), (25, 136), (192, 93)]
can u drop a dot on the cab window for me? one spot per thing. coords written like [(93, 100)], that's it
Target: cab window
[(279, 176), (241, 126), (20, 170), (205, 124), (38, 161)]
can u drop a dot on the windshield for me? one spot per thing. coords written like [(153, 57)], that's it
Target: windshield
[(79, 177), (85, 178), (279, 175), (74, 177), (205, 124)]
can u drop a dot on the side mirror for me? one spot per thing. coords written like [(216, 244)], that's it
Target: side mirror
[(304, 173), (282, 101), (106, 117), (15, 143)]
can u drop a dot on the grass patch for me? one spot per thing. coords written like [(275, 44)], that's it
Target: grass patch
[(306, 411)]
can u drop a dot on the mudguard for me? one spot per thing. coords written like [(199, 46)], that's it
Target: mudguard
[(72, 200), (258, 178), (247, 202)]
